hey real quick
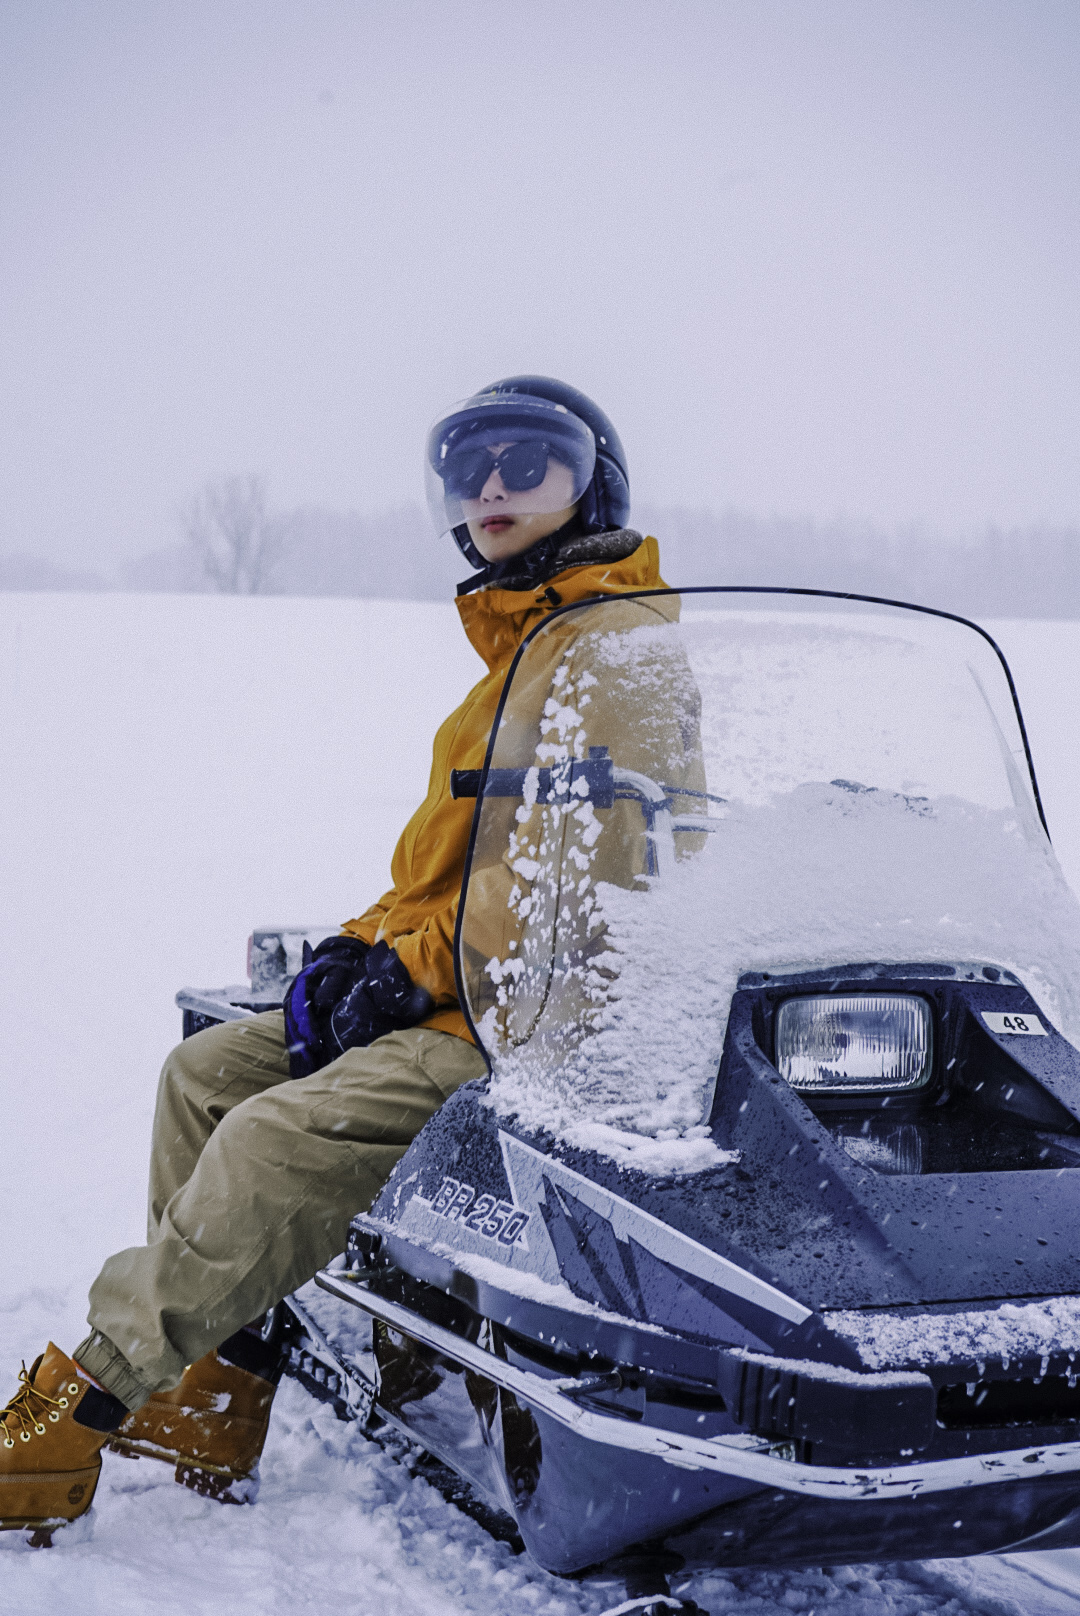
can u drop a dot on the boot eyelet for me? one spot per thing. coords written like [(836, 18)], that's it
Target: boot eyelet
[(53, 1416), (73, 1390), (62, 1402), (9, 1442), (24, 1436), (40, 1429)]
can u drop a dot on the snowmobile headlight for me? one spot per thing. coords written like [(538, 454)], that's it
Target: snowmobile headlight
[(874, 1043)]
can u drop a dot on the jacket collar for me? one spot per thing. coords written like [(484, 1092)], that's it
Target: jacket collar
[(569, 546), (497, 620)]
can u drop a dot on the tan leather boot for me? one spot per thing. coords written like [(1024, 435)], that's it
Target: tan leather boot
[(212, 1426), (49, 1462)]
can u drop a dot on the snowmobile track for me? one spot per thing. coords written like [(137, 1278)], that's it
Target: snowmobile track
[(328, 1375)]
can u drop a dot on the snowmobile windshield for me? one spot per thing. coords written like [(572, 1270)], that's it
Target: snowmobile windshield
[(502, 456), (683, 788)]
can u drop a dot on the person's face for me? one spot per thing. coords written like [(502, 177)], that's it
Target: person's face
[(503, 522)]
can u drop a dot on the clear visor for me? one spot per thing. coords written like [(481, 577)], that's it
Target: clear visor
[(500, 457)]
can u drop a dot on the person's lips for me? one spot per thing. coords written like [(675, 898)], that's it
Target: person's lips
[(497, 524)]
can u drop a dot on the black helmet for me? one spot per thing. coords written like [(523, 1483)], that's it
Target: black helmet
[(543, 418), (606, 501)]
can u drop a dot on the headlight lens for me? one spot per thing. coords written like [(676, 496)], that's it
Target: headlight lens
[(874, 1043)]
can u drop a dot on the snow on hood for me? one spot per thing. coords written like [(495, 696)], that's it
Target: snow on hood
[(935, 882), (1013, 1330)]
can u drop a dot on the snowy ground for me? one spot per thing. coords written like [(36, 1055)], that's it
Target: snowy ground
[(175, 771)]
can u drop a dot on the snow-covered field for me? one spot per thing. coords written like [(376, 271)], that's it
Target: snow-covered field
[(179, 769)]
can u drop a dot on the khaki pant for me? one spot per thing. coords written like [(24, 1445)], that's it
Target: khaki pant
[(253, 1180)]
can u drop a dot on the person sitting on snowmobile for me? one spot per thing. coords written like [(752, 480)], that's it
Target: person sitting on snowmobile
[(270, 1133)]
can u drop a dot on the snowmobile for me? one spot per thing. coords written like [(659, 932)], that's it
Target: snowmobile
[(759, 1243)]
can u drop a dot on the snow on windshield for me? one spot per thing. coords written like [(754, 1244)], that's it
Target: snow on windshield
[(874, 809), (897, 701)]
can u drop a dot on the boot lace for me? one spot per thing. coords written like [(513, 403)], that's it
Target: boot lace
[(25, 1415)]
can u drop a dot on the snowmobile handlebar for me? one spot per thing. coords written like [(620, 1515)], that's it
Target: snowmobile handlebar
[(592, 777), (597, 780)]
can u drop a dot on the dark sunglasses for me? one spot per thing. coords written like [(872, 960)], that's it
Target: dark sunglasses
[(521, 465)]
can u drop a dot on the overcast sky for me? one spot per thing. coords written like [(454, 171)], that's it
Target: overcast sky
[(814, 258)]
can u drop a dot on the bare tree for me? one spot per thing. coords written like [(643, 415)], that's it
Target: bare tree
[(238, 544)]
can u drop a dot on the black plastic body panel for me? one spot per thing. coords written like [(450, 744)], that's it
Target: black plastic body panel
[(797, 1211), (576, 1508)]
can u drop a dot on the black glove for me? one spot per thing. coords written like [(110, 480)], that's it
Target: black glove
[(385, 1000), (329, 972)]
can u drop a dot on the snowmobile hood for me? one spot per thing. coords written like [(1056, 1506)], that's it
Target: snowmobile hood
[(789, 1229)]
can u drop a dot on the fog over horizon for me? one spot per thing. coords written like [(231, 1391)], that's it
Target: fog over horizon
[(817, 261)]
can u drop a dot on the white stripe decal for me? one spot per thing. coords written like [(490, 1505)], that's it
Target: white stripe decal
[(527, 1168)]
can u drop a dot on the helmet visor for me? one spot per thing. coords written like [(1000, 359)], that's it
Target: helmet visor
[(506, 454)]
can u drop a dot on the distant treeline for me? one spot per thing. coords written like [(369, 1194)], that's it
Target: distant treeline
[(1028, 572), (1017, 572)]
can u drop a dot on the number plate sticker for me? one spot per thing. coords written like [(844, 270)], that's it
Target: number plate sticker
[(1014, 1023)]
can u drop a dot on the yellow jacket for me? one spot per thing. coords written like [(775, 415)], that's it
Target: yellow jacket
[(418, 914)]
